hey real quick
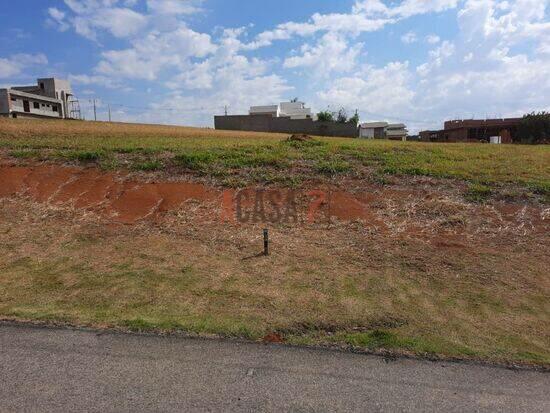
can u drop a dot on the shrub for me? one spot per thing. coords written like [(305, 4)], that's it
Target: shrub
[(325, 116)]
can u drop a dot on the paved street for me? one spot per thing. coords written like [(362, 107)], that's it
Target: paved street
[(66, 370)]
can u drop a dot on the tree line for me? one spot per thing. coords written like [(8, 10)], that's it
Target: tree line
[(534, 128), (338, 117)]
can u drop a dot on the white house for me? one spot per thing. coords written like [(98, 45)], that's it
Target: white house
[(383, 130), (292, 110), (397, 131), (373, 130)]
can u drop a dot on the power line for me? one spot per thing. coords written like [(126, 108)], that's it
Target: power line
[(225, 110)]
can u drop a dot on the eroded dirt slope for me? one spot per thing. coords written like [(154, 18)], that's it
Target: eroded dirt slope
[(409, 265)]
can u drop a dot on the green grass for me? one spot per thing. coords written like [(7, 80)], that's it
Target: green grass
[(149, 165), (235, 154), (478, 192)]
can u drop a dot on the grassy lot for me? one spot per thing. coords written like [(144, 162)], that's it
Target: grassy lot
[(487, 300), (241, 158), (445, 275)]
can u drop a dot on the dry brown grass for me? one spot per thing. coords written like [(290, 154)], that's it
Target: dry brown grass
[(424, 284), (444, 267), (66, 129)]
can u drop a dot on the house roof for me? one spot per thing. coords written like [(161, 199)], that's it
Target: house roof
[(32, 96), (397, 126), (370, 125)]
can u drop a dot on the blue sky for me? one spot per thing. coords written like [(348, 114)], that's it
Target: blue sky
[(182, 61)]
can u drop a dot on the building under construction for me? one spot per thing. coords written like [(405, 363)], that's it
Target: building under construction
[(49, 98)]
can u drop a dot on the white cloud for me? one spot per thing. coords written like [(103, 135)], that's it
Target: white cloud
[(409, 37), (332, 50), (8, 68), (16, 64), (437, 57), (57, 18), (479, 73), (120, 22), (89, 16), (155, 52), (433, 39), (174, 7), (95, 80), (343, 23), (365, 16), (516, 86), (507, 22), (406, 8), (385, 90)]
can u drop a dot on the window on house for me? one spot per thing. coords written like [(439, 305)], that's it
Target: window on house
[(14, 99), (36, 105), (54, 108), (42, 85)]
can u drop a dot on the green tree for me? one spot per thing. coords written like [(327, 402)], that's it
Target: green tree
[(342, 116), (534, 128), (354, 119), (325, 116)]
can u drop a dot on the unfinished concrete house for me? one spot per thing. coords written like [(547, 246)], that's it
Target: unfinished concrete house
[(50, 98)]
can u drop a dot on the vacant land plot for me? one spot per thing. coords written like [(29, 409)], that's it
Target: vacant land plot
[(397, 259), (243, 158)]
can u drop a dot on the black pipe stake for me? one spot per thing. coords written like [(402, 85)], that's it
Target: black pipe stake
[(266, 242)]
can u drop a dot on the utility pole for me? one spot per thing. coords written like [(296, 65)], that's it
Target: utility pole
[(225, 108), (95, 112), (109, 112)]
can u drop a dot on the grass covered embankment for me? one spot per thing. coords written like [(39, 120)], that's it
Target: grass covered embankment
[(244, 158)]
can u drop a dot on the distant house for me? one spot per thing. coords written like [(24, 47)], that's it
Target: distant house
[(49, 98), (488, 130), (292, 110), (373, 130), (383, 130)]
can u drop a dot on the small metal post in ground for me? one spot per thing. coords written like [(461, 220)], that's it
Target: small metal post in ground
[(266, 241)]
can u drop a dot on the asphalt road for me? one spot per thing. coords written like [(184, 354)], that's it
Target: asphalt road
[(66, 370)]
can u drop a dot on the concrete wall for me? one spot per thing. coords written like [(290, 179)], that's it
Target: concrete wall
[(266, 123), (57, 89), (4, 102)]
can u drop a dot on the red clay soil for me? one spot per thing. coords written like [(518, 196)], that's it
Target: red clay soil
[(130, 201), (417, 212), (124, 201)]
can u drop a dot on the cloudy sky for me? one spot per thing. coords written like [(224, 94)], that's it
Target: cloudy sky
[(182, 61)]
